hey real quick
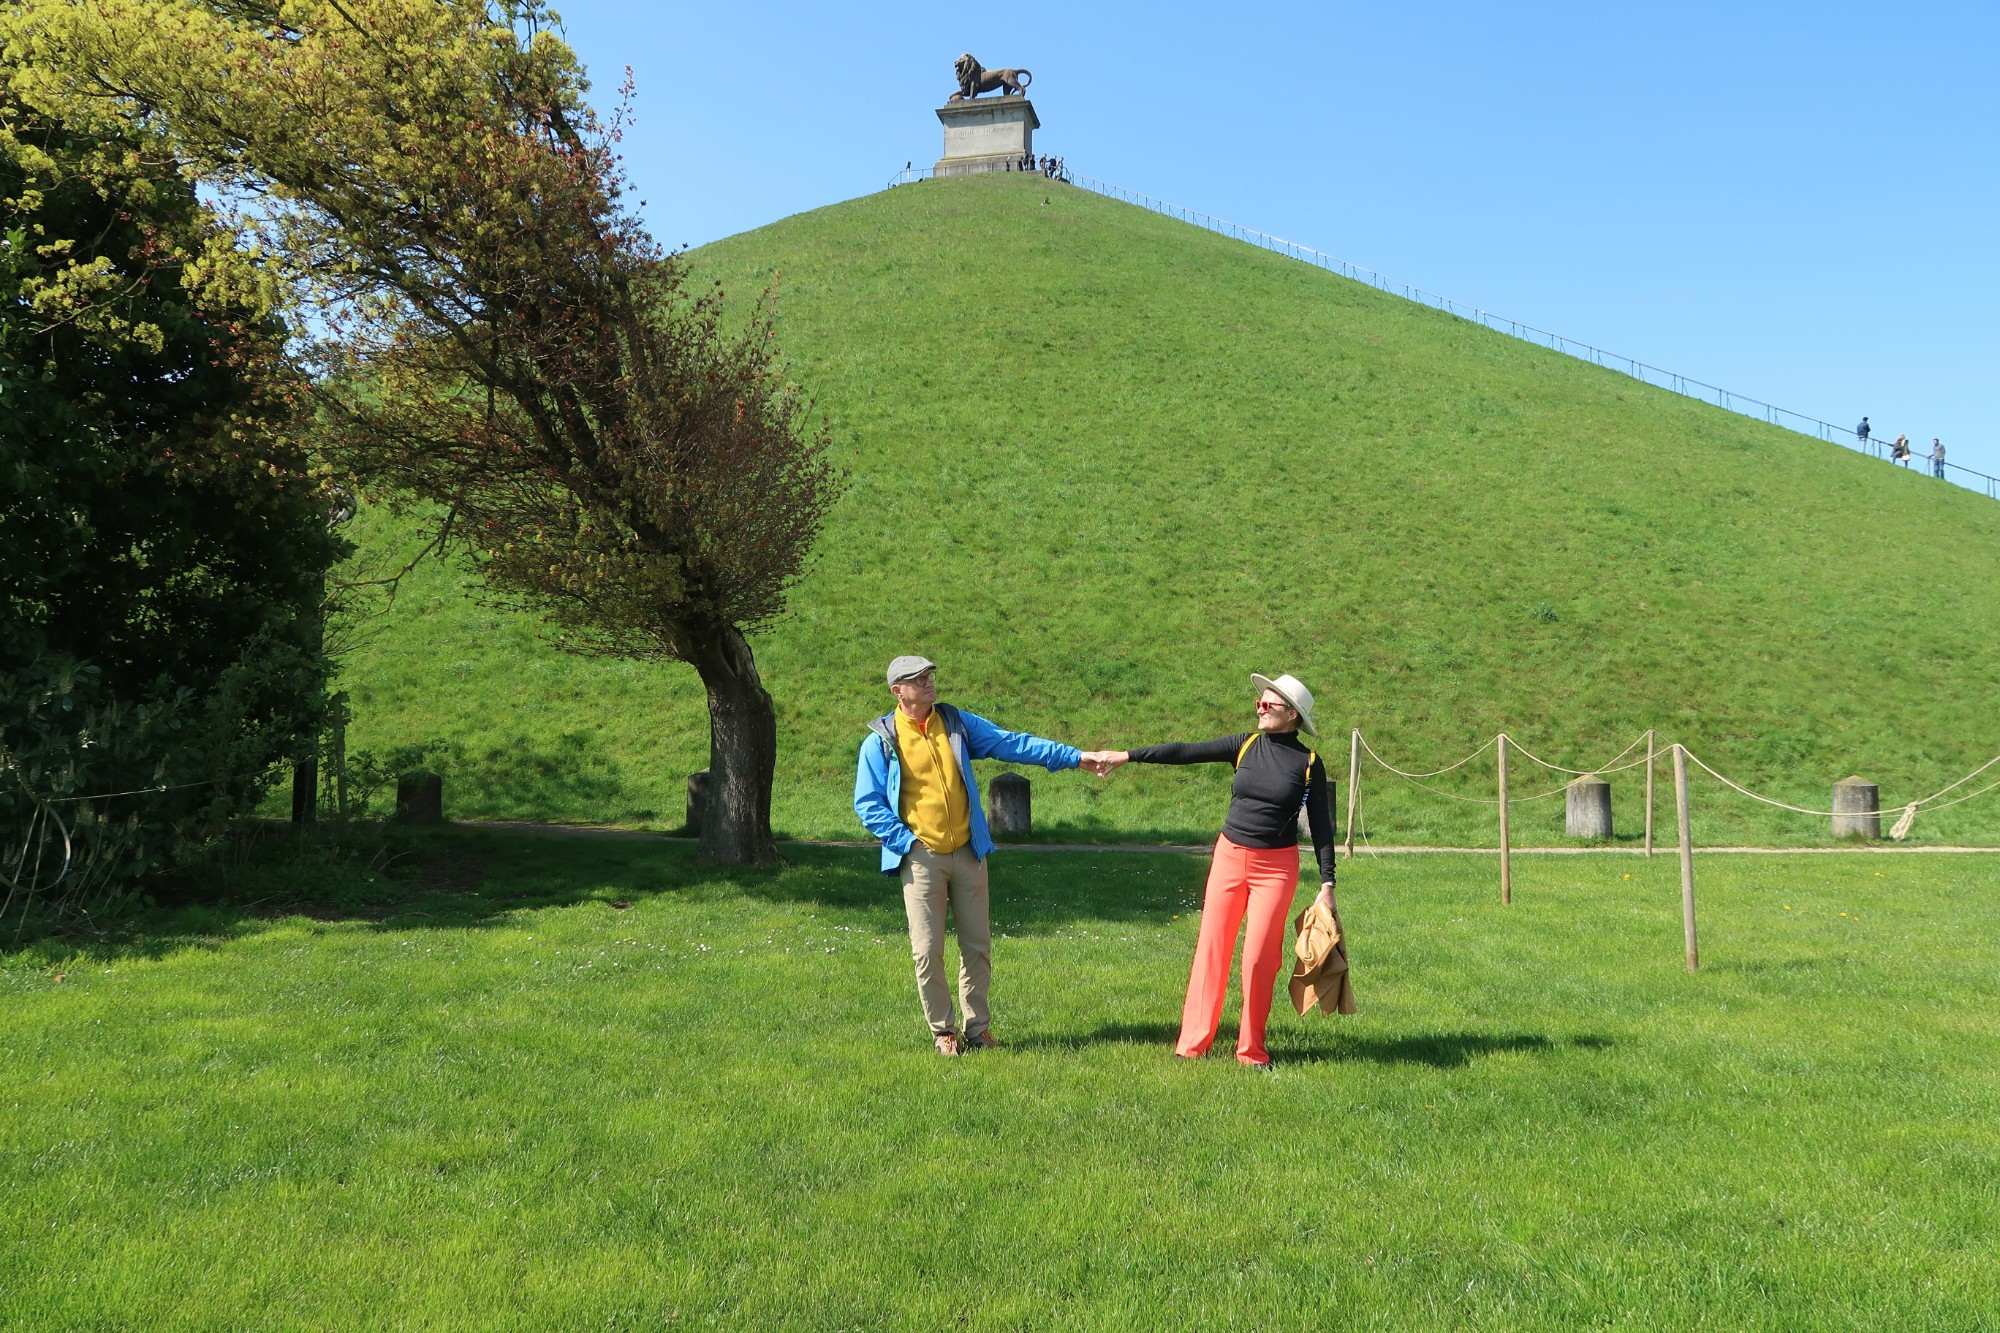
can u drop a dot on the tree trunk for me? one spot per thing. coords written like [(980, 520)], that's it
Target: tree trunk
[(742, 752)]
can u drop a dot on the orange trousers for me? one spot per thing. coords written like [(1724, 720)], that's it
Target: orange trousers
[(1257, 882)]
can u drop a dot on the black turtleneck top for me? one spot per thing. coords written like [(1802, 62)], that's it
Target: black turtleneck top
[(1278, 774)]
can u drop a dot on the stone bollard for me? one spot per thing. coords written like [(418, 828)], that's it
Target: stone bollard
[(1857, 809), (1010, 799), (697, 802), (1587, 812), (420, 798)]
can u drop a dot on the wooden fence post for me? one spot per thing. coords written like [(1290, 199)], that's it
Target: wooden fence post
[(1649, 792), (340, 754), (1353, 783), (1687, 854), (1506, 866)]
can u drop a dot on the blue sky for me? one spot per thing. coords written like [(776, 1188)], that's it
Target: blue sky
[(1795, 201)]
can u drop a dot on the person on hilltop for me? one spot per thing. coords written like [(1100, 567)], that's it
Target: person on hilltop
[(1861, 432), (1937, 458), (1899, 452), (1255, 869), (915, 793)]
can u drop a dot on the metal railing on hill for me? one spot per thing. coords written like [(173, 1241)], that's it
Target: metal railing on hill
[(1645, 372)]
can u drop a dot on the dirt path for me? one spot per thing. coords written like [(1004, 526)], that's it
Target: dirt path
[(1659, 850)]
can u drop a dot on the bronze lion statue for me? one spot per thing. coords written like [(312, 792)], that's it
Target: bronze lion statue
[(974, 79)]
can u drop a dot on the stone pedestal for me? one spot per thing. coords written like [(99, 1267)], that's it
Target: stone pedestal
[(1587, 808), (1857, 809), (420, 799), (697, 800), (1010, 806), (986, 134)]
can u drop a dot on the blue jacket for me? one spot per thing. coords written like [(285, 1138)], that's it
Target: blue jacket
[(878, 777)]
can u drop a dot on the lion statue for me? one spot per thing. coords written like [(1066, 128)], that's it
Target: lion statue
[(974, 79)]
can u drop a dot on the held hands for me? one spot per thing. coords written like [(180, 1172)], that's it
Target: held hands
[(1102, 762)]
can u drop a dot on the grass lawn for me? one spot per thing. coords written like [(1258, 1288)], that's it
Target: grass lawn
[(564, 1083), (1128, 461)]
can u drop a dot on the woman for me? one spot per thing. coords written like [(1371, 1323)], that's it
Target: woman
[(1256, 865)]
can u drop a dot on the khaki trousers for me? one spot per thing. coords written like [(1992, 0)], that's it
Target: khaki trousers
[(929, 882)]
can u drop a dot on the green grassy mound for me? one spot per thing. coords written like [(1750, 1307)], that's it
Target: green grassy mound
[(1105, 464), (555, 1083)]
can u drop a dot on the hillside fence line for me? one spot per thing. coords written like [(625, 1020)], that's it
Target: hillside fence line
[(1742, 404)]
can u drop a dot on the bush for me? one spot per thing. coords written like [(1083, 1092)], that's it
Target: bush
[(166, 542)]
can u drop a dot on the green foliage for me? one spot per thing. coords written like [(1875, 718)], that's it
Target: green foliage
[(371, 775), (1106, 464), (164, 543), (572, 1083)]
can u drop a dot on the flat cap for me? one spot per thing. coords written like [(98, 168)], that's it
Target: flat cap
[(909, 665)]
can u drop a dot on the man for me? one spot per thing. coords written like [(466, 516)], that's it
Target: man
[(915, 792), (1937, 458), (1862, 431)]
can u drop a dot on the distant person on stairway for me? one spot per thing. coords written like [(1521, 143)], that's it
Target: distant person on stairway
[(1899, 452), (1861, 432), (915, 792), (1937, 458), (1255, 868)]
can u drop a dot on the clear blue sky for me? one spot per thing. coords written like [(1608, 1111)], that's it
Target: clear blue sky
[(1796, 201)]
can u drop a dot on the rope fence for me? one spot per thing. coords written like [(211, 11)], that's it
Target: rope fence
[(1687, 386), (1859, 819)]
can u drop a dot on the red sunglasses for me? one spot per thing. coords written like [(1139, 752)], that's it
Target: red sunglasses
[(1266, 706)]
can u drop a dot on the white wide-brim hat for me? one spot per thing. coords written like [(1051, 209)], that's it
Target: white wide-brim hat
[(1295, 693)]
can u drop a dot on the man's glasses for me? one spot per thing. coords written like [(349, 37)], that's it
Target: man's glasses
[(1267, 706)]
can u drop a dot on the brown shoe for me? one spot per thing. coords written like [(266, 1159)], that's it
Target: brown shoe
[(947, 1043), (983, 1042)]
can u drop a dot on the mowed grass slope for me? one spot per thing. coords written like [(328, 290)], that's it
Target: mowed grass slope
[(1105, 463), (545, 1083)]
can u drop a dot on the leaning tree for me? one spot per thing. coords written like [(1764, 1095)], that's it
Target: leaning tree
[(496, 333)]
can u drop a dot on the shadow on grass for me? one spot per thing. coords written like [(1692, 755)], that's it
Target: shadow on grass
[(1443, 1050), (390, 877), (574, 772)]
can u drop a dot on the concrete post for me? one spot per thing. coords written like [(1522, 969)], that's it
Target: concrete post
[(420, 798), (697, 801), (1587, 812), (1857, 809), (1010, 806)]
